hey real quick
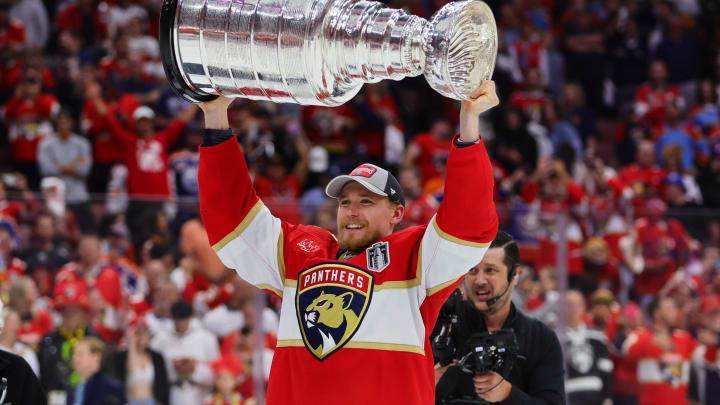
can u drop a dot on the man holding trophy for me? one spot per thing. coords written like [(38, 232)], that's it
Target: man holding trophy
[(357, 308)]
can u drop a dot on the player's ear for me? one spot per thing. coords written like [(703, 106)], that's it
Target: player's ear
[(398, 213), (346, 299)]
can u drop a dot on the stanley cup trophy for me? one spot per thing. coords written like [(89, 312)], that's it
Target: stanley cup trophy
[(320, 52)]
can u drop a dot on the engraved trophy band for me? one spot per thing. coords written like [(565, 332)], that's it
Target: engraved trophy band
[(320, 52)]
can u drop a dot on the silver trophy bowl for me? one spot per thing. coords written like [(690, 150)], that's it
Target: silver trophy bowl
[(320, 52)]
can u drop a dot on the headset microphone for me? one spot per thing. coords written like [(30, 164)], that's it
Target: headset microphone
[(491, 301)]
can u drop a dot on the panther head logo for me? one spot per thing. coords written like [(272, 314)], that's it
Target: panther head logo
[(332, 315), (331, 302)]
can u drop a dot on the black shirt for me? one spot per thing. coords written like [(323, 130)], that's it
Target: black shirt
[(538, 374), (19, 382)]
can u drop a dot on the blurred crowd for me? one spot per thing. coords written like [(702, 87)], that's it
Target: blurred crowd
[(607, 138)]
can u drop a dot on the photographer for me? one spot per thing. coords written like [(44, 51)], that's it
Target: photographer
[(481, 305)]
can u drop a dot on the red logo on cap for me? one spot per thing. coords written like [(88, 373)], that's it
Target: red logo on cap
[(364, 171)]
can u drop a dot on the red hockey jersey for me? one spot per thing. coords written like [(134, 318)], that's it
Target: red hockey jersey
[(355, 331), (662, 377)]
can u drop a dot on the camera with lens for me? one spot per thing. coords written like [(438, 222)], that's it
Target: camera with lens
[(490, 351)]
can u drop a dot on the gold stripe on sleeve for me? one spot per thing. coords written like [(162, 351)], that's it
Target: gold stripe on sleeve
[(270, 288), (453, 239), (281, 256), (241, 227), (442, 286)]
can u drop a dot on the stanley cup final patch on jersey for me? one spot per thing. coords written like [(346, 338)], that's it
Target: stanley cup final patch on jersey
[(378, 256), (331, 302)]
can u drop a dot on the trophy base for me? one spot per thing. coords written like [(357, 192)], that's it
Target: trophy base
[(169, 61)]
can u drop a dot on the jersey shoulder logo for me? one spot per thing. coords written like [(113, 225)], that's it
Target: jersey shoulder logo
[(378, 256), (364, 171), (331, 302)]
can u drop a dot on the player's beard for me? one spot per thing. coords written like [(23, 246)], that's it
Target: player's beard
[(354, 243)]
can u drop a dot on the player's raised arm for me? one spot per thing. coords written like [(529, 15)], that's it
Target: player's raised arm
[(466, 223), (241, 229)]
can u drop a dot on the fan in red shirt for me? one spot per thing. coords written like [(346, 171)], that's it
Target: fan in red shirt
[(532, 99), (429, 151), (662, 354), (644, 178), (12, 32), (84, 17), (664, 245), (144, 150), (29, 113), (107, 150), (652, 98)]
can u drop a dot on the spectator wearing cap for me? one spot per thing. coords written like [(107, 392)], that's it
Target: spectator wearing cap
[(146, 159), (55, 351), (47, 253), (704, 387), (141, 370), (113, 281), (227, 371), (68, 156), (94, 387), (188, 351)]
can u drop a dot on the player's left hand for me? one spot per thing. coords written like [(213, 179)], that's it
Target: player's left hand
[(485, 382), (481, 100)]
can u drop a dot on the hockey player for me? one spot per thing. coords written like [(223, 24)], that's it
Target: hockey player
[(358, 308)]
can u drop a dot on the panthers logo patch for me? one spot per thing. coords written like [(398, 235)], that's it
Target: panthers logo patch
[(331, 302)]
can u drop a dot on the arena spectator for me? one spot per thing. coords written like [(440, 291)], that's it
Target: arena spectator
[(47, 252), (36, 321), (85, 18), (227, 370), (188, 351), (9, 327), (429, 151), (140, 369), (421, 206), (11, 268), (34, 16), (68, 156), (652, 98), (93, 388), (661, 354), (588, 364), (55, 352), (704, 386), (29, 113)]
